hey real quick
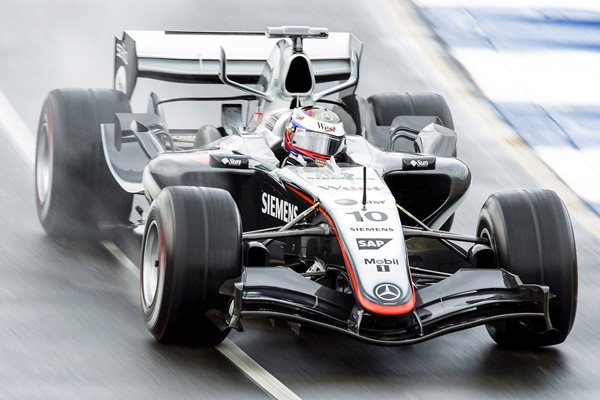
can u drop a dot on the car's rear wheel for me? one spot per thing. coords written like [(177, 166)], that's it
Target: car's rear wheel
[(74, 189), (191, 246), (531, 235), (387, 106)]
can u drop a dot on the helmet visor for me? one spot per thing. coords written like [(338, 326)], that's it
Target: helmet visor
[(318, 143)]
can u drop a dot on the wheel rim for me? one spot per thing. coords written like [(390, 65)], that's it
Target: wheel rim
[(151, 264), (43, 166), (485, 233)]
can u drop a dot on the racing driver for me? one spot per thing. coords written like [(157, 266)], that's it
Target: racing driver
[(311, 136)]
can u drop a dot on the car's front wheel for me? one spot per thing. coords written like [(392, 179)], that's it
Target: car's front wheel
[(191, 246), (531, 236)]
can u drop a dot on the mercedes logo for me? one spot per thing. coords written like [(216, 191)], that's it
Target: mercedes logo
[(387, 292)]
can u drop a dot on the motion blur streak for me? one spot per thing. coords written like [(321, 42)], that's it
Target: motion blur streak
[(22, 139), (537, 62), (490, 123)]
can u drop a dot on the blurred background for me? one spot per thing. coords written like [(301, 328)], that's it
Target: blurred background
[(521, 81)]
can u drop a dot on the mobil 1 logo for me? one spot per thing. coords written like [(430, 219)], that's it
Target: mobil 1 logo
[(383, 264), (371, 243)]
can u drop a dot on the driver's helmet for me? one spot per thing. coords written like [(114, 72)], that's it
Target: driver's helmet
[(314, 132)]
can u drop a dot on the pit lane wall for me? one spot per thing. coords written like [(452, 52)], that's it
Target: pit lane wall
[(538, 64)]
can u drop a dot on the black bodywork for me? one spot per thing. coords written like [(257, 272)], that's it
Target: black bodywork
[(453, 291)]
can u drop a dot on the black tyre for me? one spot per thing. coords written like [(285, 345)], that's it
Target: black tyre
[(74, 189), (387, 106), (191, 246), (531, 235)]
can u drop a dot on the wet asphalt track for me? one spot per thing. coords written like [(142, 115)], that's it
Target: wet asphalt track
[(70, 324)]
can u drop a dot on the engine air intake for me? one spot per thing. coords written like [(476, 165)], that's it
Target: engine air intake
[(299, 78)]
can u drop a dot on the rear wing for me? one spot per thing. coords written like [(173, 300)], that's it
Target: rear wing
[(195, 57)]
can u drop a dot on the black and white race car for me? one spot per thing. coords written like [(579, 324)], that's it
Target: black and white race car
[(359, 245)]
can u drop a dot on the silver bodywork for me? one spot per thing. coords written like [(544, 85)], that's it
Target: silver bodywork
[(367, 222)]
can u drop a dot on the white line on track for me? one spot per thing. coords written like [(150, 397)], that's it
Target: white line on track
[(24, 142), (17, 131), (253, 370), (121, 257)]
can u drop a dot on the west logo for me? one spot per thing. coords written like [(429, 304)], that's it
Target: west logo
[(371, 243), (325, 127)]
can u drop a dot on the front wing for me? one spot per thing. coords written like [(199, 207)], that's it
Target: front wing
[(468, 298)]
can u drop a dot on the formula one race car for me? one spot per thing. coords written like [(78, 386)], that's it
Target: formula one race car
[(237, 222)]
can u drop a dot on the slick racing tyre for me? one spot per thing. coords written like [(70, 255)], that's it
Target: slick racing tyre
[(192, 244), (387, 106), (74, 189), (531, 235)]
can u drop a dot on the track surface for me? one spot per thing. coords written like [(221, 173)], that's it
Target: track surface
[(70, 324)]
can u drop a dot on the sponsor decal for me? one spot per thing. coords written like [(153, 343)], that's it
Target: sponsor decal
[(371, 243), (387, 292), (231, 161), (228, 161), (385, 261), (278, 208), (371, 229), (325, 128), (346, 202), (122, 53), (382, 265), (412, 163), (373, 216)]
